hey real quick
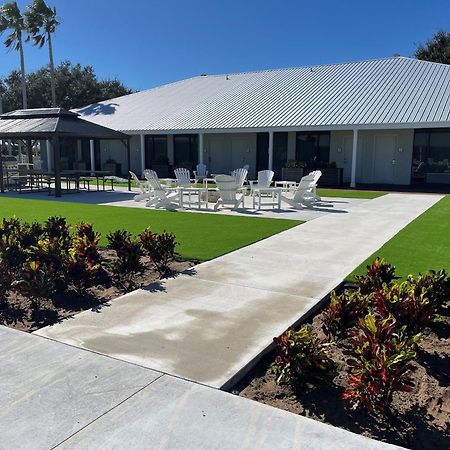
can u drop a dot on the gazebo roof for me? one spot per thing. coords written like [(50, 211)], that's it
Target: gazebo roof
[(46, 123)]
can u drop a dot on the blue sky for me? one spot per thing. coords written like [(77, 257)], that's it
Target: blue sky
[(146, 43)]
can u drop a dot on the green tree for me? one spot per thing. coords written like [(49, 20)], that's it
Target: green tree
[(76, 86), (41, 23), (11, 19), (436, 49)]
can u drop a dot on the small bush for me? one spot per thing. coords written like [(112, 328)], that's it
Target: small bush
[(378, 273), (160, 248), (302, 357), (128, 251), (379, 363), (56, 228), (343, 312)]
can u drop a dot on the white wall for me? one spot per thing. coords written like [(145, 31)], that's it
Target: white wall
[(341, 151), (117, 151)]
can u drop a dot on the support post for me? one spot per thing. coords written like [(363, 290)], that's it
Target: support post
[(354, 156), (30, 151), (9, 147), (49, 154), (200, 148), (57, 165), (128, 164), (92, 154), (142, 154), (270, 162)]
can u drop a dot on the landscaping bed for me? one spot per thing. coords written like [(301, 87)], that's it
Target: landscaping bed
[(418, 414), (54, 270)]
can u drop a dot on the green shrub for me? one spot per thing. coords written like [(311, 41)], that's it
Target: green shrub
[(160, 248), (301, 357), (343, 312), (380, 353), (378, 273)]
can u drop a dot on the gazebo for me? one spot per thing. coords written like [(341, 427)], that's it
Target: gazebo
[(54, 125)]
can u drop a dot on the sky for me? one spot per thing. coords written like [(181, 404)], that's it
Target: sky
[(146, 43)]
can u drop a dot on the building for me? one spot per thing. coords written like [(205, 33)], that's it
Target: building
[(383, 121)]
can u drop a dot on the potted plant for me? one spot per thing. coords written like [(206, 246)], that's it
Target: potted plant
[(161, 166), (331, 174), (293, 170)]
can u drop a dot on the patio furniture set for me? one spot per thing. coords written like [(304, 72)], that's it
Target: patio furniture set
[(230, 191)]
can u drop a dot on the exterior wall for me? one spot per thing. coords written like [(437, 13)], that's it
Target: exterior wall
[(291, 145), (228, 151), (117, 151), (367, 165)]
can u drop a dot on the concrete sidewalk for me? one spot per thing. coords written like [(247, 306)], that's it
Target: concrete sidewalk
[(57, 396), (211, 324)]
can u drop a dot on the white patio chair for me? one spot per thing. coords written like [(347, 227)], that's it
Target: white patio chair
[(241, 177), (162, 197), (229, 194), (264, 180), (200, 173), (142, 186), (183, 177), (314, 177), (303, 195)]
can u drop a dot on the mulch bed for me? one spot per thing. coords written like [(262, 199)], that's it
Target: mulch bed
[(19, 314), (418, 420)]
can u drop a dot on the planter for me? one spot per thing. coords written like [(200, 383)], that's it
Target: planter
[(162, 170), (331, 176), (291, 174)]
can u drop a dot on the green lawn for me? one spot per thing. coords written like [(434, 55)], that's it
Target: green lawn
[(201, 236), (349, 193), (422, 245)]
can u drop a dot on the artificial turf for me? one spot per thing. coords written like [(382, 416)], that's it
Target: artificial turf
[(422, 245), (349, 193), (200, 236)]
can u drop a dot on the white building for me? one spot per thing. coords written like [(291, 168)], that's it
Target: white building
[(384, 121)]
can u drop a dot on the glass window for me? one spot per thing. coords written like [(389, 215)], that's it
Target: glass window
[(155, 149), (313, 149), (186, 151)]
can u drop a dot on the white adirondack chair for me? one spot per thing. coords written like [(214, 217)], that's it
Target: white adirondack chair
[(143, 187), (183, 177), (264, 180), (229, 194), (241, 176), (314, 177), (201, 172), (303, 194), (161, 197)]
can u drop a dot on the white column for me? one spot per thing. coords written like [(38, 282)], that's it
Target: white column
[(92, 152), (142, 136), (200, 148), (354, 155), (48, 146), (270, 163)]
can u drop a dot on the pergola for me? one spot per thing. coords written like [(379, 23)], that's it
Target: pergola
[(54, 125)]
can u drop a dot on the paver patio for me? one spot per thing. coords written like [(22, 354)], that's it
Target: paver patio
[(58, 396), (210, 325)]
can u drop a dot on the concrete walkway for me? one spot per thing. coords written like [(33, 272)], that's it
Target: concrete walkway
[(209, 325), (54, 395)]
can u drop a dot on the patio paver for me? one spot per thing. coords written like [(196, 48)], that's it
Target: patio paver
[(211, 325)]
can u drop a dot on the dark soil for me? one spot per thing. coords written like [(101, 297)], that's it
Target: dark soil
[(18, 312), (418, 420)]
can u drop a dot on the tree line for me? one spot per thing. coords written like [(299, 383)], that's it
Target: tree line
[(67, 85)]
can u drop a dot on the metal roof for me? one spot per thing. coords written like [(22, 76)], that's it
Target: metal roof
[(393, 91), (44, 123)]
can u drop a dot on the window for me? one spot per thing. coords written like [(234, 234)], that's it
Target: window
[(431, 156), (185, 151), (313, 149), (155, 148)]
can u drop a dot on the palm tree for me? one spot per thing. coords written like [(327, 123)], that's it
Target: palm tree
[(11, 19), (41, 22)]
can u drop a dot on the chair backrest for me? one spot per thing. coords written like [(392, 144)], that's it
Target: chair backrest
[(201, 170), (305, 186), (149, 173), (246, 167), (228, 186), (155, 186), (135, 178), (265, 178), (240, 175), (183, 177)]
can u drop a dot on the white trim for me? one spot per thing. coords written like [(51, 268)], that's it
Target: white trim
[(92, 154), (354, 156), (200, 148), (270, 162), (142, 145)]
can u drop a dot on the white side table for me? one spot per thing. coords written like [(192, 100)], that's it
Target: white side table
[(269, 196), (200, 193), (286, 186)]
